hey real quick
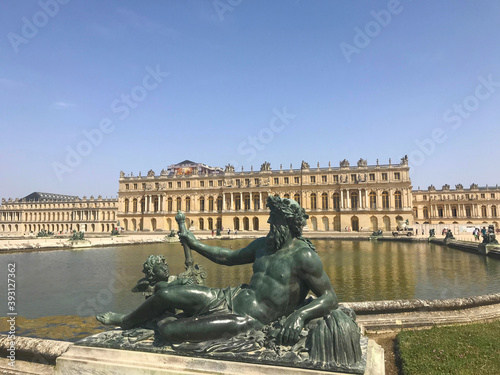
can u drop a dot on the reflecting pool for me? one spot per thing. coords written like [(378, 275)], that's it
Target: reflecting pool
[(86, 282)]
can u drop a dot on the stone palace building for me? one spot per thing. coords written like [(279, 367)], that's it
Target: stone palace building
[(457, 208), (347, 197), (341, 198), (57, 213)]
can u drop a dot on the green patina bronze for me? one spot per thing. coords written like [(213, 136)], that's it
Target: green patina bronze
[(272, 311), (44, 233), (77, 236), (157, 276)]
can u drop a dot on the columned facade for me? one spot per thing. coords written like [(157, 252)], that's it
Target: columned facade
[(457, 208), (58, 214), (344, 198), (337, 199)]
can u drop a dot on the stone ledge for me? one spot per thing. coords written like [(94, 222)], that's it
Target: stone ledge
[(35, 350), (426, 319), (415, 305), (22, 367), (90, 360)]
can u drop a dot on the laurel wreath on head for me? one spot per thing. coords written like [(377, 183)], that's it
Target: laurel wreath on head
[(294, 215)]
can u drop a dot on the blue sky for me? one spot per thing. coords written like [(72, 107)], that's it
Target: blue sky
[(90, 88)]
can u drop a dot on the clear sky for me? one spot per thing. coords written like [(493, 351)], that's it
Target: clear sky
[(90, 88)]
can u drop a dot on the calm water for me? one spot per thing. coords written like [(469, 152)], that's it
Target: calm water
[(86, 282)]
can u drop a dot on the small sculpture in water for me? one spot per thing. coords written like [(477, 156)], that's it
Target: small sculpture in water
[(489, 238), (77, 236), (449, 235)]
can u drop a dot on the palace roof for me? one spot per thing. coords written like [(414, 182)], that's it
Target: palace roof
[(37, 196)]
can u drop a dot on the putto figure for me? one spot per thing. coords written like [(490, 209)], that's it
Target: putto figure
[(286, 268), (157, 276)]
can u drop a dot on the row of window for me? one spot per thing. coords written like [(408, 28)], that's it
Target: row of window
[(52, 206), (257, 181), (454, 211), (458, 197), (208, 204), (59, 216)]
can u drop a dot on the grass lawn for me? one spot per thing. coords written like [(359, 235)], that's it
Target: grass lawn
[(466, 349)]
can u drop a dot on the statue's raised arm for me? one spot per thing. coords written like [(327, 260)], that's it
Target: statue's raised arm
[(221, 255)]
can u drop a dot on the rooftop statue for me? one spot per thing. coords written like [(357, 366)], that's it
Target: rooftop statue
[(344, 163), (362, 163), (266, 166), (286, 269)]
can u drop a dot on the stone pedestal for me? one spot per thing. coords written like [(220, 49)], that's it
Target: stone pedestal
[(90, 360), (484, 249)]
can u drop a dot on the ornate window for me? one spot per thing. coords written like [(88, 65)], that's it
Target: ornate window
[(313, 201), (397, 199), (468, 211), (354, 200), (385, 199), (336, 201), (440, 211), (296, 197), (324, 201), (373, 200), (256, 202)]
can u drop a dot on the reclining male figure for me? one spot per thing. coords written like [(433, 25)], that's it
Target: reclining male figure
[(286, 268)]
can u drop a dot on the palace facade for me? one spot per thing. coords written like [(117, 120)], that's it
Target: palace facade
[(459, 209), (344, 198), (348, 197), (57, 213)]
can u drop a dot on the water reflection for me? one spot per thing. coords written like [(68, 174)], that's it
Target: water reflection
[(86, 282)]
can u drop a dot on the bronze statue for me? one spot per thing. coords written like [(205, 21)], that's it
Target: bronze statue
[(157, 276), (286, 267)]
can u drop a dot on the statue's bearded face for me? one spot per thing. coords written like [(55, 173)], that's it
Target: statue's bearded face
[(277, 236)]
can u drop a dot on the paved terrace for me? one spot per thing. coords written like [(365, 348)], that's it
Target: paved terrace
[(11, 243)]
